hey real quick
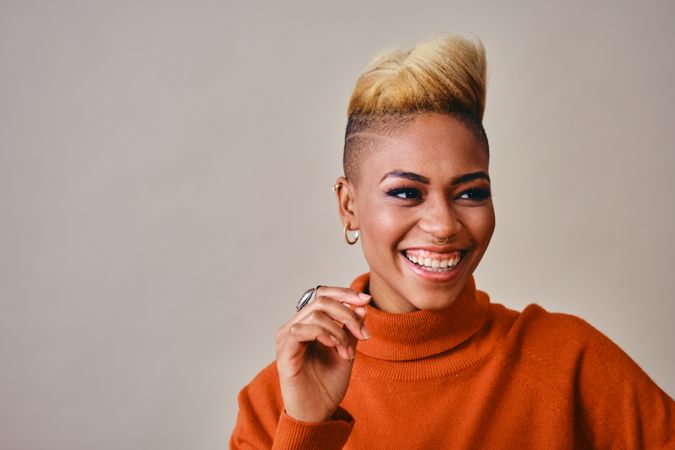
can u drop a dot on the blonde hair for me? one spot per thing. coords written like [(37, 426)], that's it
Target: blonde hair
[(446, 74)]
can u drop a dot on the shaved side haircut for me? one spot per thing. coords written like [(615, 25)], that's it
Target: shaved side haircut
[(445, 75)]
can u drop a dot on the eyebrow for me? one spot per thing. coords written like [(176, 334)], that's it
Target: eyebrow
[(424, 180), (407, 175)]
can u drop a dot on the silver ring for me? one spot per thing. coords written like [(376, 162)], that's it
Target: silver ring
[(307, 298)]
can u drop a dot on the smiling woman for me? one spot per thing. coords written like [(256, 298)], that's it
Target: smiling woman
[(412, 355), (420, 200)]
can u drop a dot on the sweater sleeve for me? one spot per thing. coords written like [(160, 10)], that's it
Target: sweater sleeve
[(262, 422), (617, 404), (332, 434)]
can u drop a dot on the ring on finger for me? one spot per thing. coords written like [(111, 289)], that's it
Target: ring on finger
[(307, 298)]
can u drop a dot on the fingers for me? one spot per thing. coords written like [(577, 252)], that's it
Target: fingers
[(323, 333), (327, 297), (322, 326), (343, 335), (349, 298), (351, 317), (344, 295), (335, 319)]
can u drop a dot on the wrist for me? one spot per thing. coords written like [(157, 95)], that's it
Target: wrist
[(309, 417)]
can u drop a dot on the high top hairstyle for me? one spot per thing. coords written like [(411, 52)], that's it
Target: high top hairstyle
[(445, 75)]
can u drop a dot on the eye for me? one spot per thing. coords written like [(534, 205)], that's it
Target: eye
[(476, 195), (405, 193)]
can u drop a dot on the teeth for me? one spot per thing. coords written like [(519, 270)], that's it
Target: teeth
[(434, 265)]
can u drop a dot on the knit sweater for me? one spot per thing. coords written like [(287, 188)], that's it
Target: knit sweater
[(474, 376)]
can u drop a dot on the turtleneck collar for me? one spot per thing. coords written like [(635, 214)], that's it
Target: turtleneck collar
[(420, 334)]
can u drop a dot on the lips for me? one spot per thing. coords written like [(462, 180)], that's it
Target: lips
[(425, 270), (433, 261)]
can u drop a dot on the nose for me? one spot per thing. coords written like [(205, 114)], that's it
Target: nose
[(440, 219)]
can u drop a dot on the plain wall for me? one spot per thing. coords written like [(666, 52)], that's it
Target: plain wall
[(165, 174)]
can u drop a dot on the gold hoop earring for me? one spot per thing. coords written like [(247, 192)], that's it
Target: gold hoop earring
[(346, 231), (336, 187)]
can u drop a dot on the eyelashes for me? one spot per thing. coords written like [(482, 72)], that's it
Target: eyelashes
[(476, 195), (405, 192)]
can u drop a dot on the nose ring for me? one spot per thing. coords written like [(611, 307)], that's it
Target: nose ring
[(441, 241)]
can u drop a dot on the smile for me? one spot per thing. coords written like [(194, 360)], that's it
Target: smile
[(433, 262)]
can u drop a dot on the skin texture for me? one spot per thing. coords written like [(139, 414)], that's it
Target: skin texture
[(315, 352), (397, 214), (315, 348)]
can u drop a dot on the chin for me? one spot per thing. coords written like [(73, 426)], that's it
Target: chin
[(432, 288), (424, 280)]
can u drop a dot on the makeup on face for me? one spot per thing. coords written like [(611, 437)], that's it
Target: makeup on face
[(428, 184)]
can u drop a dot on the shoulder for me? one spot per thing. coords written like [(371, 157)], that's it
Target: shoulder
[(613, 401), (540, 330), (553, 348), (568, 353)]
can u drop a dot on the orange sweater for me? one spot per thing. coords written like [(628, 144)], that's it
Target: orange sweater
[(475, 376)]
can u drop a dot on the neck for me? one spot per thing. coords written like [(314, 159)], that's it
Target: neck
[(415, 296), (387, 299), (422, 333)]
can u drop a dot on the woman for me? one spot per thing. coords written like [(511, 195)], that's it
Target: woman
[(412, 355)]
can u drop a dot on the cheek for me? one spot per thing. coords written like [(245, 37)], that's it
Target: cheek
[(383, 226), (481, 224)]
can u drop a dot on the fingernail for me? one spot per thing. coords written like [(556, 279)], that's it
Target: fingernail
[(364, 296), (364, 332), (350, 352), (334, 339), (360, 310)]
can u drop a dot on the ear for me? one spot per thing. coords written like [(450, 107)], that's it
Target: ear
[(346, 203)]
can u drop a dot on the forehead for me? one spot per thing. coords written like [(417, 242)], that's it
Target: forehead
[(434, 145)]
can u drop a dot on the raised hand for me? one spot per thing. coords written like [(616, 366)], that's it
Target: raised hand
[(315, 352)]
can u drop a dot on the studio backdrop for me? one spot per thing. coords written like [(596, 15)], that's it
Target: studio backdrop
[(165, 175)]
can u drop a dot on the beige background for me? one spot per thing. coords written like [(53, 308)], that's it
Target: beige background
[(165, 173)]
